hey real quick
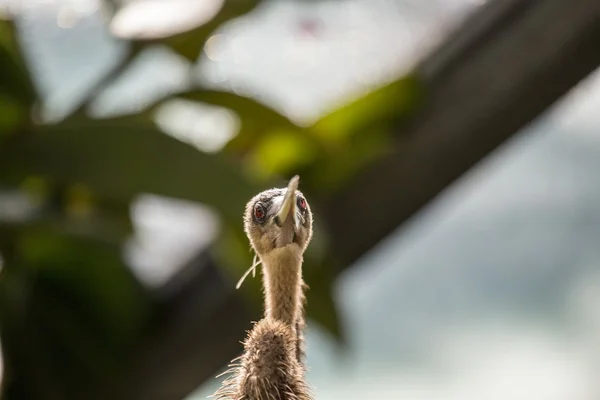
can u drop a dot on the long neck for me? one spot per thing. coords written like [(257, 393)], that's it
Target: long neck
[(283, 285)]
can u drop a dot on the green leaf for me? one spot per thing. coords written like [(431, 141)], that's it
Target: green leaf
[(190, 43), (71, 313), (269, 143), (12, 113), (14, 75), (257, 119), (17, 92), (122, 157), (333, 169), (247, 109), (93, 278), (282, 152), (386, 104), (357, 134)]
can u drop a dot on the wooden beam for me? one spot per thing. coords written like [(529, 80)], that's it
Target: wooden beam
[(507, 65)]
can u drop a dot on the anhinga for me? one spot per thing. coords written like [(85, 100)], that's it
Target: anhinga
[(278, 223)]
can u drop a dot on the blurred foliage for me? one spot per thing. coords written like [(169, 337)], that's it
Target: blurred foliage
[(71, 311), (190, 43), (17, 94)]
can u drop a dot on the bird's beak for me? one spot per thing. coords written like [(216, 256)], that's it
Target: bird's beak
[(288, 205)]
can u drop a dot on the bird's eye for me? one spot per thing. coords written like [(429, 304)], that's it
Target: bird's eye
[(259, 212), (301, 203)]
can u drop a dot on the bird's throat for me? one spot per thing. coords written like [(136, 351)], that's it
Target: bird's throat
[(283, 284)]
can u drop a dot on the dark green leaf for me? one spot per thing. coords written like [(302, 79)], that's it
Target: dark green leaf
[(247, 109), (15, 81), (120, 158), (93, 277), (12, 113), (71, 312)]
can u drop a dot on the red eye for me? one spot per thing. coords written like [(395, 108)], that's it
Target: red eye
[(301, 203), (259, 211)]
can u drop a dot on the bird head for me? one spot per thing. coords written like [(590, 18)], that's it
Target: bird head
[(278, 218)]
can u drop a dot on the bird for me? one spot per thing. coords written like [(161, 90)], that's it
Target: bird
[(278, 223)]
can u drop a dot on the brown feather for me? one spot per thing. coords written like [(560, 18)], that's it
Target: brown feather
[(272, 365)]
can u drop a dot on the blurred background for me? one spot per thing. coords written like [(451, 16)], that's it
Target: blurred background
[(450, 151)]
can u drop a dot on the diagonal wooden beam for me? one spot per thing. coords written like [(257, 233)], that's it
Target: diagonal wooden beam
[(508, 64)]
